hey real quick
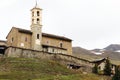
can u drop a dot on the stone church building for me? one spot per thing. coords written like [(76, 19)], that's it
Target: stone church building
[(35, 39)]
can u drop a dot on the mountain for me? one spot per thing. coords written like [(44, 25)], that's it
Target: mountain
[(84, 53), (98, 53), (96, 50), (113, 47), (78, 50)]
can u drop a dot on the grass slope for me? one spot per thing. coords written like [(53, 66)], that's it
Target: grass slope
[(37, 69)]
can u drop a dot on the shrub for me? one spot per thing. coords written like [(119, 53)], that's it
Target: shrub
[(95, 69), (117, 74), (107, 69)]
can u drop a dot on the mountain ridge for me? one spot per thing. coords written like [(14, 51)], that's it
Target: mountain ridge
[(109, 51), (113, 47)]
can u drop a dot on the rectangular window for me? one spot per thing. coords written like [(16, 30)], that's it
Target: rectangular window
[(38, 36), (38, 20), (61, 45), (38, 13), (26, 39), (53, 50), (12, 40)]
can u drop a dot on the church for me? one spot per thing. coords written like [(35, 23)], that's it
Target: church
[(35, 39)]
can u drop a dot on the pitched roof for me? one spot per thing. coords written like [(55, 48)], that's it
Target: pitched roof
[(2, 43), (55, 36), (36, 7), (43, 34), (99, 60), (24, 31), (20, 30)]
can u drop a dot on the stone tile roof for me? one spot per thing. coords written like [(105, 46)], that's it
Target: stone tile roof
[(55, 36), (43, 34), (24, 31)]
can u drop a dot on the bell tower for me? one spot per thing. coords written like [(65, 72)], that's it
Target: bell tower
[(36, 28)]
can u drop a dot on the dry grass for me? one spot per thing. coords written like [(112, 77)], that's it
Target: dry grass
[(36, 69)]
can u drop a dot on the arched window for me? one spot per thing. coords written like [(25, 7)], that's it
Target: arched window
[(38, 20), (12, 39), (61, 45), (38, 13), (38, 36)]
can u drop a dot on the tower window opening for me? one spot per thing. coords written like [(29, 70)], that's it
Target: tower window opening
[(38, 13), (38, 36), (32, 13), (38, 20)]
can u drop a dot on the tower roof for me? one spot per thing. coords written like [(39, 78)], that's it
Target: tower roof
[(36, 6)]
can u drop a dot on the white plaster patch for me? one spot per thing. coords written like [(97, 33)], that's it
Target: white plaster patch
[(37, 42), (22, 44)]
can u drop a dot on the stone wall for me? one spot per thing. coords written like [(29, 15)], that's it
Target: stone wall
[(62, 58), (56, 43), (18, 38)]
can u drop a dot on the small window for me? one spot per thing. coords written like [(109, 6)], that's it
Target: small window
[(12, 39), (37, 19), (26, 39), (61, 45), (99, 68), (47, 42), (47, 49), (38, 36), (38, 13), (53, 50)]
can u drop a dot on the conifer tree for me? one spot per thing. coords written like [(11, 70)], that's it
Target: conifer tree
[(95, 69), (117, 74), (107, 69)]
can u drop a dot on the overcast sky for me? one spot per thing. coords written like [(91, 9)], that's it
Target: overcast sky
[(89, 23)]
